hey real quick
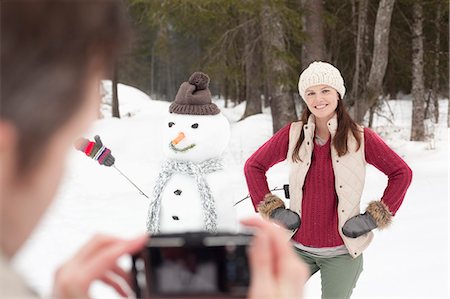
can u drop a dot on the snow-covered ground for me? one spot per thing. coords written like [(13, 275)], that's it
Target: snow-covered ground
[(409, 260)]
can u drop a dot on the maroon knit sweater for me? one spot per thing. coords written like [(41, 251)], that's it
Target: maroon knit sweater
[(319, 226)]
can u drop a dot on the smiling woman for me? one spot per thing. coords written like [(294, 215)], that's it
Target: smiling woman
[(327, 154), (322, 99)]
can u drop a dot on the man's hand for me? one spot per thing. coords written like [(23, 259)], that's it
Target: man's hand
[(97, 260), (276, 270)]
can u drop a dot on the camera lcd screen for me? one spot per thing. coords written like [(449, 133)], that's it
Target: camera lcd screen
[(195, 269)]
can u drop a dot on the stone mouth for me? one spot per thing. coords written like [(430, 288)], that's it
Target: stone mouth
[(174, 217), (184, 149)]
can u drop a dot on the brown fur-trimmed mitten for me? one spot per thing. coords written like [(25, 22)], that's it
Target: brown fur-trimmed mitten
[(272, 207), (377, 215)]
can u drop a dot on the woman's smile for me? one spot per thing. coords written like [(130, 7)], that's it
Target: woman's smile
[(321, 106)]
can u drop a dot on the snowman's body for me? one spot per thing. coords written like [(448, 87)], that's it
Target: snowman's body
[(196, 139), (182, 209)]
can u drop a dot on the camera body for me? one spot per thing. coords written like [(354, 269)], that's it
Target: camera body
[(196, 265)]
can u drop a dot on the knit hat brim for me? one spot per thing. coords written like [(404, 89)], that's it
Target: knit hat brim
[(318, 73), (205, 109)]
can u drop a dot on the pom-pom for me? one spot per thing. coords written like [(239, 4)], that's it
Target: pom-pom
[(200, 80)]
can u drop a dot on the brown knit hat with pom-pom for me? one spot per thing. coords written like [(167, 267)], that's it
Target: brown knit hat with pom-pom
[(194, 97)]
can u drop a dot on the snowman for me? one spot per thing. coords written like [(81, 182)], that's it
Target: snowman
[(191, 192)]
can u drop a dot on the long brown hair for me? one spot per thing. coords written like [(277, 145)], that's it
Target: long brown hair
[(345, 124)]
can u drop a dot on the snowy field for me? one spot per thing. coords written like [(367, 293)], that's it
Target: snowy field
[(409, 260)]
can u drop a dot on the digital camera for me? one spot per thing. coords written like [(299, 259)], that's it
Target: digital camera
[(193, 265)]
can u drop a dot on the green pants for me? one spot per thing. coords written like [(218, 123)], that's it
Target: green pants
[(339, 274)]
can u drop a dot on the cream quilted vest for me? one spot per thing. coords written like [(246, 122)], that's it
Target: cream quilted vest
[(349, 172)]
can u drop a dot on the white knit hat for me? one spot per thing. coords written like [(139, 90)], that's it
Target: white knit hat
[(318, 73)]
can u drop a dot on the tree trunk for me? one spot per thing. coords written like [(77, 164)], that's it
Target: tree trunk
[(314, 47), (267, 90), (152, 72), (418, 113), (448, 111), (371, 115), (163, 45), (227, 92), (170, 94), (282, 104), (379, 60), (435, 87), (266, 53), (252, 94), (362, 27), (115, 95), (240, 91)]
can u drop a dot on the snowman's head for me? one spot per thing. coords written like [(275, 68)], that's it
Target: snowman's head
[(195, 138), (195, 130)]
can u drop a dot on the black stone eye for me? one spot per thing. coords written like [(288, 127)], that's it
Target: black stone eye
[(194, 126), (171, 124)]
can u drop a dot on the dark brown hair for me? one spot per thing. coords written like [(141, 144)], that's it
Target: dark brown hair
[(345, 124), (48, 50)]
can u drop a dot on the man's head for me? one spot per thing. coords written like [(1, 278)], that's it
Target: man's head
[(53, 56)]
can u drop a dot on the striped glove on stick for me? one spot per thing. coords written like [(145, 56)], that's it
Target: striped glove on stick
[(96, 150)]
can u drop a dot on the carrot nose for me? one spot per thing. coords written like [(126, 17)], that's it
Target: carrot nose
[(178, 138)]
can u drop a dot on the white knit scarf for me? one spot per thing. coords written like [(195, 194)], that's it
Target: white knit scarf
[(197, 170)]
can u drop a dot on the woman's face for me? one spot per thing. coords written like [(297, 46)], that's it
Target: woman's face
[(322, 100)]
